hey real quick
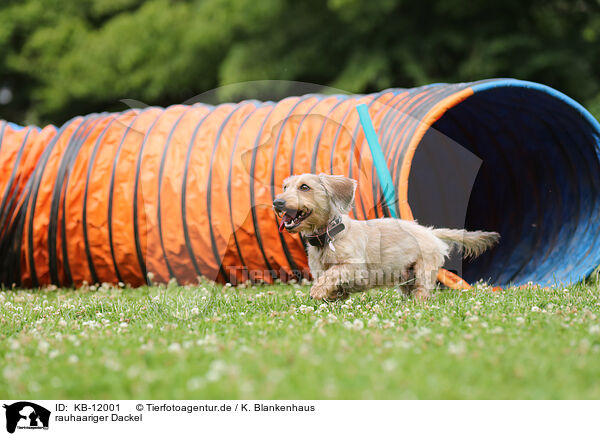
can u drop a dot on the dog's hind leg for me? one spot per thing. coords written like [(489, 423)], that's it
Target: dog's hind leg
[(425, 278)]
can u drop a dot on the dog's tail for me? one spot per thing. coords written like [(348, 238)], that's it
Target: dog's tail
[(474, 243)]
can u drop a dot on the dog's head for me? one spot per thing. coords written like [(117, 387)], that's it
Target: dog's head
[(310, 201)]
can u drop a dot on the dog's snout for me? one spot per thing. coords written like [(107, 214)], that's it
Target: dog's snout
[(278, 203)]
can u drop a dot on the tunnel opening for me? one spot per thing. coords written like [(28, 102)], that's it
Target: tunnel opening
[(523, 160)]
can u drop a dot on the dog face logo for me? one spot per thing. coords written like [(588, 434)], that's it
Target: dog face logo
[(26, 415)]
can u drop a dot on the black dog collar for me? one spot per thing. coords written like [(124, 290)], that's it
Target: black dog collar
[(334, 227)]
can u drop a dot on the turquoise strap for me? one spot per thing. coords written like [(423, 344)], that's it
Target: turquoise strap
[(383, 172)]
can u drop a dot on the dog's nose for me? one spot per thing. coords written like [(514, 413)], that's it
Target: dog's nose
[(278, 203)]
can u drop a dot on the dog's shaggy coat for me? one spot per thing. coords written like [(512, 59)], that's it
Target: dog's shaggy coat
[(384, 252)]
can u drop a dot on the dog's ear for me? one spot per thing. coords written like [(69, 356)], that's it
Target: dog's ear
[(340, 190)]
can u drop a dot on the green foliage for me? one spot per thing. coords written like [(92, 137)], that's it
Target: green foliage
[(62, 58)]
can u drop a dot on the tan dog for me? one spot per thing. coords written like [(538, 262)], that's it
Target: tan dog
[(346, 255)]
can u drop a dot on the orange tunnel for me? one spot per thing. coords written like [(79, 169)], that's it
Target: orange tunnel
[(186, 191)]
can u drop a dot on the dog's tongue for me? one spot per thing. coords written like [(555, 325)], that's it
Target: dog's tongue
[(284, 219)]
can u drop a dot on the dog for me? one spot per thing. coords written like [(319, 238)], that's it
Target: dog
[(347, 255)]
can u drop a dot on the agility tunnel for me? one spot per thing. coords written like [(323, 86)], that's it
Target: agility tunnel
[(186, 191)]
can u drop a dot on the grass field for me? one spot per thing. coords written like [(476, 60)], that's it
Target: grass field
[(274, 342)]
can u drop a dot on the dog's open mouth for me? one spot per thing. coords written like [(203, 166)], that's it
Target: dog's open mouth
[(290, 219)]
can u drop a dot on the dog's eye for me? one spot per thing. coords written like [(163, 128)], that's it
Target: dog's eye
[(284, 188), (304, 187)]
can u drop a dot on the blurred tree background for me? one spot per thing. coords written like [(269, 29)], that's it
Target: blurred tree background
[(61, 58)]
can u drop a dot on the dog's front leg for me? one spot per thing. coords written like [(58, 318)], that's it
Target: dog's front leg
[(336, 282)]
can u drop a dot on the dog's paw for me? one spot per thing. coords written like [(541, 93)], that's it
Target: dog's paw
[(318, 292), (421, 294), (338, 294)]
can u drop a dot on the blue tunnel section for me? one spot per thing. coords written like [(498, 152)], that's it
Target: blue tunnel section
[(538, 184)]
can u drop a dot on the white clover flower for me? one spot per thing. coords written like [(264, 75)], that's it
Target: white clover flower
[(445, 322), (323, 306), (594, 329), (389, 365), (535, 309), (62, 322), (418, 315), (306, 309), (123, 325), (299, 294), (53, 354), (112, 364), (497, 330), (456, 349), (73, 359), (216, 370), (520, 321), (358, 324), (91, 324), (43, 346), (195, 311), (584, 345), (422, 331), (373, 321), (195, 383), (156, 298), (175, 347), (406, 344)]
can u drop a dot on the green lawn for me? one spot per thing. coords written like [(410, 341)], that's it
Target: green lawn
[(274, 342)]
